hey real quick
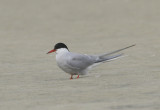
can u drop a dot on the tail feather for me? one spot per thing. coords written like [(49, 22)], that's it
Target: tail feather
[(109, 58), (106, 54)]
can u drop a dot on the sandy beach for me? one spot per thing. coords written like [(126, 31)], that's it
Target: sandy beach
[(31, 80)]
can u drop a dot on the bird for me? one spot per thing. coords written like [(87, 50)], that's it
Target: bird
[(79, 64)]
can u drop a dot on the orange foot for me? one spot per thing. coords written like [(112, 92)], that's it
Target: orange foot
[(71, 77), (77, 76)]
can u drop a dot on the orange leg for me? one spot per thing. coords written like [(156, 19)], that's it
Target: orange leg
[(77, 76), (71, 77)]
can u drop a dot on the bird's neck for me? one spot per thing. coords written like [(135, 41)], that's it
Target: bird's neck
[(61, 51)]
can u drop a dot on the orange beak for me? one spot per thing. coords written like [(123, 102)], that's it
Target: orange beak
[(51, 51)]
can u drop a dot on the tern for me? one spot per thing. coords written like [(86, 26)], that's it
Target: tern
[(79, 64)]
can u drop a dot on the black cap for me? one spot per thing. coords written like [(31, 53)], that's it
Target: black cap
[(60, 45)]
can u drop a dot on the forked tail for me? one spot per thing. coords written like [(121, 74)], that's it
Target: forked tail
[(109, 56)]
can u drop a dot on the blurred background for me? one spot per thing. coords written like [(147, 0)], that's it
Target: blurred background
[(30, 28)]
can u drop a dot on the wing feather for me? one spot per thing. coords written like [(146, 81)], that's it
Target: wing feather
[(80, 61)]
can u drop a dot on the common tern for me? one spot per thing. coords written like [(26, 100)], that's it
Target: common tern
[(79, 64)]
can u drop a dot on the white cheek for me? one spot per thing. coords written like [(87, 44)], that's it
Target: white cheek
[(58, 51), (61, 51)]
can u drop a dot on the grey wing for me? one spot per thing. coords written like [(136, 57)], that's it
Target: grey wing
[(80, 61)]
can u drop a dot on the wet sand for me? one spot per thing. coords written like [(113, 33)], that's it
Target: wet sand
[(31, 80)]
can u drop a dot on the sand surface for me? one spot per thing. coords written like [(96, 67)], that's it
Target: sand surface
[(31, 80)]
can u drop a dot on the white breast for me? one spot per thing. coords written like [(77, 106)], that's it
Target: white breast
[(61, 59)]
